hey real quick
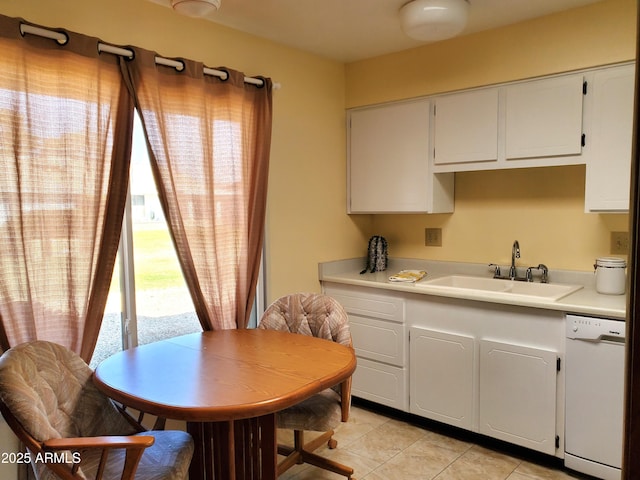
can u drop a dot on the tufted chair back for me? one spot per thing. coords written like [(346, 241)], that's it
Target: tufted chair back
[(323, 317), (309, 314)]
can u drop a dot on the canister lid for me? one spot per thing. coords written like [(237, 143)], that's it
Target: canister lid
[(611, 262)]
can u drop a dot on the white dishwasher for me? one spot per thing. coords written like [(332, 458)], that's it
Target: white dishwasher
[(594, 381)]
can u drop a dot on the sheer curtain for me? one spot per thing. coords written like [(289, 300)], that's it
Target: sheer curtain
[(65, 137), (209, 142)]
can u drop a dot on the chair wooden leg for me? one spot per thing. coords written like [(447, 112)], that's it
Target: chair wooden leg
[(287, 463), (327, 464), (316, 442), (303, 453)]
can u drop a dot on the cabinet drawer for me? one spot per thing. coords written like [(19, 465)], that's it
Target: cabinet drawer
[(380, 383), (370, 305), (378, 339)]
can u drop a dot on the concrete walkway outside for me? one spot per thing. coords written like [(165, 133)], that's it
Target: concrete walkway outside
[(162, 314)]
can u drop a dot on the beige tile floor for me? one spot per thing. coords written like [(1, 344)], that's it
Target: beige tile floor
[(383, 448)]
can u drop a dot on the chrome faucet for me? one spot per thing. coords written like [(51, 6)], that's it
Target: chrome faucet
[(515, 253), (545, 273), (544, 276), (513, 271)]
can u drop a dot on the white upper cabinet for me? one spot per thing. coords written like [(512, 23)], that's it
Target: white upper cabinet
[(609, 165), (543, 118), (388, 148), (466, 127), (531, 123), (402, 156)]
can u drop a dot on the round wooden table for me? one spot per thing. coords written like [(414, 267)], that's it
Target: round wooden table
[(227, 385)]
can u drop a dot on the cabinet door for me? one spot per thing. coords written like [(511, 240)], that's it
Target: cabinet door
[(609, 165), (466, 127), (544, 117), (518, 394), (441, 378), (388, 158)]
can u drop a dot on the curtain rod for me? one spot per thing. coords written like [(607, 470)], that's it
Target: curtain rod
[(62, 39)]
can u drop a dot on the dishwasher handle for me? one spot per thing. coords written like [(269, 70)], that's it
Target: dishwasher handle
[(612, 339)]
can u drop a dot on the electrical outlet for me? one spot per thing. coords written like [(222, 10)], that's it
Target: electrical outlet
[(433, 237), (620, 243)]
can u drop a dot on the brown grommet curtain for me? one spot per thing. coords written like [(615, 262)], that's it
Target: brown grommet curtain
[(209, 143), (66, 119)]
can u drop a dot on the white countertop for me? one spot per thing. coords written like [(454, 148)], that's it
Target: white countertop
[(585, 301)]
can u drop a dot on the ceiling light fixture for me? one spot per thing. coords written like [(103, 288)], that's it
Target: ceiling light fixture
[(431, 20), (195, 8)]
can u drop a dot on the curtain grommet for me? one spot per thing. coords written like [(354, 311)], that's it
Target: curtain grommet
[(226, 72), (60, 36)]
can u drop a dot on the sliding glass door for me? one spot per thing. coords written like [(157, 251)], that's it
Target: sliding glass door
[(148, 299)]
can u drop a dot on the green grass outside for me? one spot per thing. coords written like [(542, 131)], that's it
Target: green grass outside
[(156, 265)]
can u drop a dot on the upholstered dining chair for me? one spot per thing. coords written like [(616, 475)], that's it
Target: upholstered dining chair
[(319, 316), (74, 432)]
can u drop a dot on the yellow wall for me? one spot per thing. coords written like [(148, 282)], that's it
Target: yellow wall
[(306, 220), (542, 208)]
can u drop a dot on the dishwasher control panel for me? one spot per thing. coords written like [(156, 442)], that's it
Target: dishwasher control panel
[(589, 328)]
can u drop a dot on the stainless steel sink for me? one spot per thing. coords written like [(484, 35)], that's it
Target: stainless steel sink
[(498, 287)]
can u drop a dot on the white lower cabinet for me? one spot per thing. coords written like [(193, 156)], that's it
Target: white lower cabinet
[(380, 383), (514, 392), (518, 394), (488, 368), (483, 367), (378, 340), (377, 324), (441, 377)]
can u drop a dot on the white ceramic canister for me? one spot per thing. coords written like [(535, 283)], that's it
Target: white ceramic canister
[(610, 275)]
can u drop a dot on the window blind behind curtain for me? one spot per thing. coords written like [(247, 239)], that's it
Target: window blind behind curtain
[(65, 140), (209, 142)]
